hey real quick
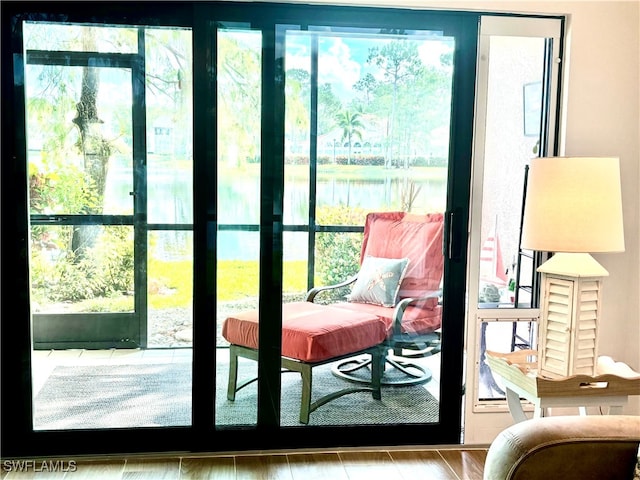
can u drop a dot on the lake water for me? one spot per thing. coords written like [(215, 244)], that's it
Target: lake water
[(170, 201)]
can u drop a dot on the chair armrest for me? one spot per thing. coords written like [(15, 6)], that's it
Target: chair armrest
[(402, 305), (311, 294), (567, 447)]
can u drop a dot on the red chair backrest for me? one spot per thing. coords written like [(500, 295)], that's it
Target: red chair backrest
[(417, 237)]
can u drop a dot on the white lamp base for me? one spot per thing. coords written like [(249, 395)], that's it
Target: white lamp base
[(570, 315)]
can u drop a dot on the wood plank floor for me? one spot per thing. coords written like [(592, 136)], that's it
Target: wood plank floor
[(415, 464)]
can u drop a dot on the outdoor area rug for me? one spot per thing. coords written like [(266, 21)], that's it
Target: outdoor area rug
[(146, 395), (114, 396)]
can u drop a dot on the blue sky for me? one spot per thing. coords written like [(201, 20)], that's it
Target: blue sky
[(342, 59)]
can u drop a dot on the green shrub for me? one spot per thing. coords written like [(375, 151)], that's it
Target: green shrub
[(361, 160), (338, 253), (103, 270)]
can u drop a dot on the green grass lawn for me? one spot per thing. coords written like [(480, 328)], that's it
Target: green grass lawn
[(171, 285), (236, 279)]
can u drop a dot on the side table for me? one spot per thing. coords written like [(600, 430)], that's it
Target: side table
[(518, 371)]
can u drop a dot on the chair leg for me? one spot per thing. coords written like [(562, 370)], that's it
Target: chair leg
[(233, 373), (307, 382), (378, 360), (415, 374)]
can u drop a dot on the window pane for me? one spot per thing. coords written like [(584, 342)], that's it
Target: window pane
[(77, 166), (380, 138), (294, 268), (238, 195), (337, 258), (95, 278), (169, 126), (297, 128), (503, 336), (80, 38), (170, 289)]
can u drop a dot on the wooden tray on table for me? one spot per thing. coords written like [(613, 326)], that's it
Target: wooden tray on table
[(519, 372)]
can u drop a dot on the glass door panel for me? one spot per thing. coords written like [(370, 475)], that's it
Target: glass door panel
[(513, 122), (367, 122), (516, 75), (78, 164), (87, 107), (295, 268), (238, 199), (63, 281), (169, 200), (170, 289)]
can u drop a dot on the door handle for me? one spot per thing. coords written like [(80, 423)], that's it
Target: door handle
[(451, 241)]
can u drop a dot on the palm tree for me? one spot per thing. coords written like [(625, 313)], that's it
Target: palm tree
[(350, 124)]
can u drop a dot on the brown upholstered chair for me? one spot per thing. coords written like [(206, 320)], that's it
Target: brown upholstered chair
[(567, 447)]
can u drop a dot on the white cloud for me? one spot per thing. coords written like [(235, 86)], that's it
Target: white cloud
[(430, 51), (336, 65)]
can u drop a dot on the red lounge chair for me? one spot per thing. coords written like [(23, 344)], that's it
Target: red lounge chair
[(393, 305)]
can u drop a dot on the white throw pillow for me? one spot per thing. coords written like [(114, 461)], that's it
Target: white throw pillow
[(379, 281)]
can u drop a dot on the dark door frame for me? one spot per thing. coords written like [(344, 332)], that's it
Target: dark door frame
[(18, 437)]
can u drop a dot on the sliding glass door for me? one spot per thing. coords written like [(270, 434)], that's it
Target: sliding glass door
[(367, 125), (182, 164), (238, 199), (318, 125)]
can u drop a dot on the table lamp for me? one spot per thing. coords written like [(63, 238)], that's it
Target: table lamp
[(573, 208)]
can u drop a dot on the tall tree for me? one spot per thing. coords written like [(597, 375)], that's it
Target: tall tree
[(350, 124), (400, 64), (329, 106), (367, 86), (94, 147)]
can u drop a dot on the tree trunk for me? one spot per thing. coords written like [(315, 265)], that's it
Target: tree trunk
[(94, 147)]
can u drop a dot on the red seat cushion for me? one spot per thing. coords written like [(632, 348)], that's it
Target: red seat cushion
[(415, 320), (312, 332)]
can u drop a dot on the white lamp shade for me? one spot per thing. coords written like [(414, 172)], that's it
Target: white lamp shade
[(573, 204)]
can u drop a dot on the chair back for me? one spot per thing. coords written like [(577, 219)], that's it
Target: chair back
[(416, 237)]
